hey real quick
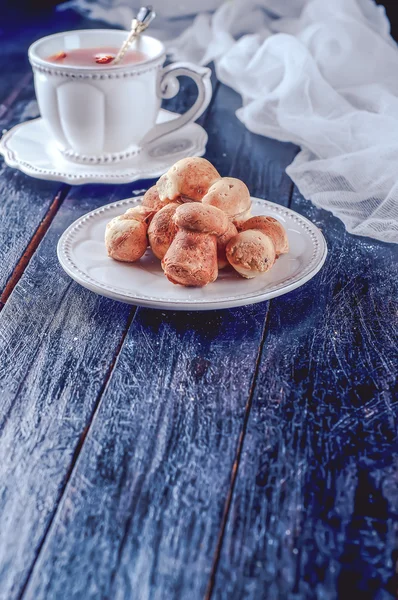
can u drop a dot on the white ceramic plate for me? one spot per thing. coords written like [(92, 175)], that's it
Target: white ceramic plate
[(81, 252)]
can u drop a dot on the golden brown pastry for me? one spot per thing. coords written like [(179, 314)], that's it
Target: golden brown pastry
[(139, 213), (151, 199), (251, 253), (271, 227), (162, 230), (190, 177), (203, 219), (197, 223), (232, 196), (191, 259), (222, 242), (126, 236)]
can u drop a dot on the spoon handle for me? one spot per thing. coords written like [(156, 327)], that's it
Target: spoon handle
[(144, 17)]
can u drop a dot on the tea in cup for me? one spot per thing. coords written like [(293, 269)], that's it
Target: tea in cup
[(90, 57), (99, 113)]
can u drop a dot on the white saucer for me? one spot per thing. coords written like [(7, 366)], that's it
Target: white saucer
[(30, 148), (82, 254)]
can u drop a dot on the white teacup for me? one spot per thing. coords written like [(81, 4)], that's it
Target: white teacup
[(104, 113)]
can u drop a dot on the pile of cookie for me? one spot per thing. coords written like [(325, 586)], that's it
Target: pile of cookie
[(197, 222)]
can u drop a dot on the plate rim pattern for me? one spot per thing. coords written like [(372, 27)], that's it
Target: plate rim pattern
[(319, 253)]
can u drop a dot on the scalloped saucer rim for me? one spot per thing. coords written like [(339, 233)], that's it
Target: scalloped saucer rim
[(30, 148)]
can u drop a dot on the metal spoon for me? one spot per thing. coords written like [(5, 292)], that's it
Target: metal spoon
[(144, 17)]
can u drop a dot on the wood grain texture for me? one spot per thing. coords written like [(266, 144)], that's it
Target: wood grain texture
[(57, 345), (32, 246), (315, 504), (142, 512), (55, 356), (57, 348), (139, 517)]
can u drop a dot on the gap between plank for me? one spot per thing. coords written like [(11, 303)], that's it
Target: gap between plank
[(33, 244), (289, 204), (79, 447), (235, 467), (292, 185)]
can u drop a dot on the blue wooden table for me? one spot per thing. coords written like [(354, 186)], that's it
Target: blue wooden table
[(239, 454)]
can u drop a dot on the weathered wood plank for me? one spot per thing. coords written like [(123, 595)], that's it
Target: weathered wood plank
[(142, 511), (40, 308), (57, 349), (57, 345), (140, 514), (315, 500)]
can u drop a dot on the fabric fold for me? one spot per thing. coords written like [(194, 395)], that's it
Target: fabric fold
[(323, 76)]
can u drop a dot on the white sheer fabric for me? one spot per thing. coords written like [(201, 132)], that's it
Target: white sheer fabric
[(323, 75)]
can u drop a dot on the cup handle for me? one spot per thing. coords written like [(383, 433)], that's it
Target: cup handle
[(168, 87)]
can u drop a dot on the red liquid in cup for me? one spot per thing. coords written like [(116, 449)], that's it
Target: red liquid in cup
[(92, 57)]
